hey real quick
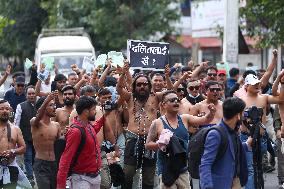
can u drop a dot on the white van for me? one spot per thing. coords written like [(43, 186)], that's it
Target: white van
[(66, 46)]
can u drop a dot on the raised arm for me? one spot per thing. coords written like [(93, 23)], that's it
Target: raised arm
[(85, 79), (124, 94), (7, 72), (105, 73), (167, 77), (37, 89), (202, 66), (185, 76), (35, 121), (265, 78)]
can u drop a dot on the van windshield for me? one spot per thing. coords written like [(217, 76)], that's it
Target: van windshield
[(64, 62)]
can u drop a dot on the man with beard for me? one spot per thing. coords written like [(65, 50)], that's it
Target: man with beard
[(213, 89), (142, 109), (45, 132), (24, 113), (179, 125), (11, 144), (85, 171), (62, 114)]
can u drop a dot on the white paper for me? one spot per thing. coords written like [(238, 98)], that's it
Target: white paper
[(88, 64), (117, 58), (101, 61)]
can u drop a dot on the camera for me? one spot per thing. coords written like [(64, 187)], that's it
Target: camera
[(4, 161), (253, 115), (109, 106)]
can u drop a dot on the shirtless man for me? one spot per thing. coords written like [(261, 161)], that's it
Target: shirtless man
[(45, 132), (142, 108), (11, 144), (62, 114), (213, 89), (114, 122)]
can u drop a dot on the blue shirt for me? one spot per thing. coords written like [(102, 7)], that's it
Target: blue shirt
[(13, 98)]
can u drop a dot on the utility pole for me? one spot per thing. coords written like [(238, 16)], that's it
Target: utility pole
[(231, 33)]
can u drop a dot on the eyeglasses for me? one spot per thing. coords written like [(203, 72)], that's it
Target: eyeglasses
[(215, 89), (194, 88), (212, 74), (179, 89), (172, 100), (142, 84)]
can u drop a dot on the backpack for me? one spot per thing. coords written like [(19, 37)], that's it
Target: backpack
[(196, 148), (60, 144)]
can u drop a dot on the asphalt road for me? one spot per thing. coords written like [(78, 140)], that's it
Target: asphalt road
[(270, 181)]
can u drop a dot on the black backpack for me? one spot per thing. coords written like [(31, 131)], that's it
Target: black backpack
[(60, 144), (196, 149)]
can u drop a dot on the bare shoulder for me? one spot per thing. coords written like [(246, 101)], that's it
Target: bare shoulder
[(32, 121)]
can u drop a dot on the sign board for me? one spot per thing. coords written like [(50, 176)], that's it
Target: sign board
[(147, 55), (206, 17)]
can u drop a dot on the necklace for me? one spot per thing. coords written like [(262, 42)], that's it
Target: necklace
[(138, 119)]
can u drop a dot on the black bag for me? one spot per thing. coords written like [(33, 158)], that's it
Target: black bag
[(196, 149), (60, 144)]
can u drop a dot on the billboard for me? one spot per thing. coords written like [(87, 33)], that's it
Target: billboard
[(206, 16)]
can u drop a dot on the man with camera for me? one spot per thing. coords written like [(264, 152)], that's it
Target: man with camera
[(44, 133), (11, 144), (113, 123), (254, 98)]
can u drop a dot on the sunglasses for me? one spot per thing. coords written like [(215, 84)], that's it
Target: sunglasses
[(194, 87), (180, 90), (172, 100), (142, 84), (215, 89), (212, 74)]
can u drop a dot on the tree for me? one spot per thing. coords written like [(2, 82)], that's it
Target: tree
[(265, 21), (111, 22), (18, 38)]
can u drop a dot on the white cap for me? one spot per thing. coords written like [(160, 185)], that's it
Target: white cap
[(251, 79)]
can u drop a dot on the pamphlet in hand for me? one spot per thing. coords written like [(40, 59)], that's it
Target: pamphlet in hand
[(43, 75), (101, 61), (28, 63), (116, 57), (49, 62), (88, 64)]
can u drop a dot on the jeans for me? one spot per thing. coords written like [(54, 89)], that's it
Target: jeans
[(249, 156), (45, 173), (29, 159)]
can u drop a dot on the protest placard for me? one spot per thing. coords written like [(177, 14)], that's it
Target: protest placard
[(43, 75), (49, 62), (88, 64), (147, 55), (116, 57), (101, 61), (28, 63)]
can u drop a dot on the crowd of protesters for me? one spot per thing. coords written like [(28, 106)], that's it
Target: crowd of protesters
[(112, 128)]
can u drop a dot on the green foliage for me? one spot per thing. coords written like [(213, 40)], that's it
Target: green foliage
[(20, 25), (111, 22), (265, 21)]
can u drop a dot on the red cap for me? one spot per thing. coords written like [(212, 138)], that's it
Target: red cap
[(221, 72)]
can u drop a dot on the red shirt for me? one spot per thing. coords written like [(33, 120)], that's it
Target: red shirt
[(89, 160)]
